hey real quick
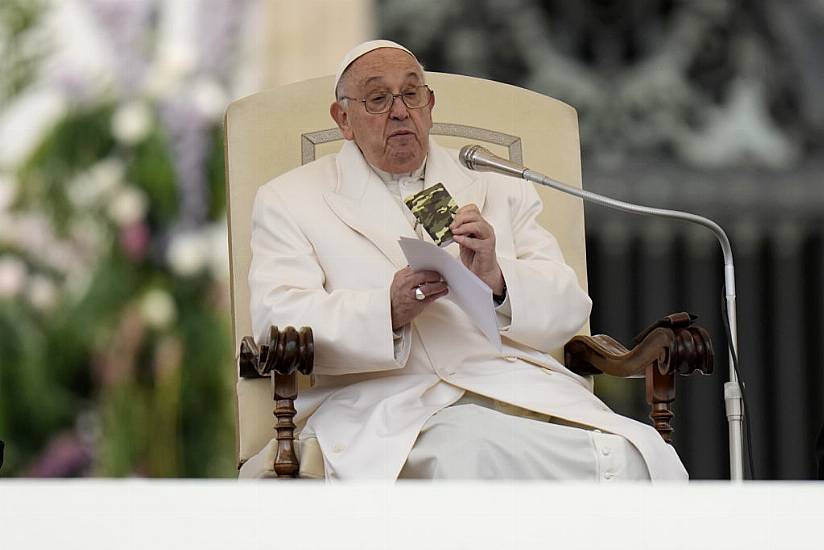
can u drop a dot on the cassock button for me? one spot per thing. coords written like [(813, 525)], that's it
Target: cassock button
[(510, 358), (605, 451), (609, 475)]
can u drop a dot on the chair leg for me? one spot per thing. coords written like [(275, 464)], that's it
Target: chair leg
[(660, 395), (286, 390), (288, 352)]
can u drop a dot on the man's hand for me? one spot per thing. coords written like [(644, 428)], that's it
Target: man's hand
[(405, 306), (477, 241)]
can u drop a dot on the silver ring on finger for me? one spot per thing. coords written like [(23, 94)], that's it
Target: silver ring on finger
[(419, 295)]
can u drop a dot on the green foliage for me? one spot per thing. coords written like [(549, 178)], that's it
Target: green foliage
[(156, 378), (151, 169), (79, 140), (126, 429), (208, 420), (33, 402), (57, 365), (19, 49)]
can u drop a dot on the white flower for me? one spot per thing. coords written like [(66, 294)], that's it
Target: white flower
[(167, 76), (81, 191), (26, 119), (158, 308), (42, 293), (127, 206), (32, 231), (63, 257), (87, 188), (132, 122), (209, 98), (188, 253), (12, 276), (8, 191), (88, 236), (108, 173)]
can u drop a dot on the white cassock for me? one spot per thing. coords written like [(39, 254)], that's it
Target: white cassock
[(324, 252)]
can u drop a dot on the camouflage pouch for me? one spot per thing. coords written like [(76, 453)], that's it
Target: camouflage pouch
[(434, 208)]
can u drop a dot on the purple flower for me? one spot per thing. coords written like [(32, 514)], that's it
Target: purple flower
[(65, 456), (134, 241), (125, 23)]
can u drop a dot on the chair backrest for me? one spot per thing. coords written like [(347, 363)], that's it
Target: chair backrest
[(274, 131)]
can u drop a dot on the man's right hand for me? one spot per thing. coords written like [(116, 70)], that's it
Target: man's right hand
[(405, 306)]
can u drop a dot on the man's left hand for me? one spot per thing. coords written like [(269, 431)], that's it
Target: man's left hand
[(476, 238)]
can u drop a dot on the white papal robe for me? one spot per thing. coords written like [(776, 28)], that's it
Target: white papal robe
[(324, 251)]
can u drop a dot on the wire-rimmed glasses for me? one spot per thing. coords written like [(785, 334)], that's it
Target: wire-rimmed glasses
[(381, 102)]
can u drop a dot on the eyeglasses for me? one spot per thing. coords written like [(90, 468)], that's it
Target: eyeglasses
[(381, 102)]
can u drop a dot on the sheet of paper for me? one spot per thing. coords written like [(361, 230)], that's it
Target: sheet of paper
[(465, 288)]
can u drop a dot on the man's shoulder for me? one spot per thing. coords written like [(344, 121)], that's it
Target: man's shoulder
[(500, 188), (308, 179), (506, 184)]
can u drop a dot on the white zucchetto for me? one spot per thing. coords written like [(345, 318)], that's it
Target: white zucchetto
[(363, 49)]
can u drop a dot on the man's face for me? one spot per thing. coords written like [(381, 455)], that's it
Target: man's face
[(396, 141)]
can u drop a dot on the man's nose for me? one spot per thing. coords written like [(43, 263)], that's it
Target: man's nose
[(399, 109)]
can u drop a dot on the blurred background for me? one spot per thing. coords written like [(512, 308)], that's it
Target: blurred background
[(115, 347)]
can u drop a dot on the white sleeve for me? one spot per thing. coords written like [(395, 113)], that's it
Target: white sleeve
[(503, 314), (352, 328), (547, 305)]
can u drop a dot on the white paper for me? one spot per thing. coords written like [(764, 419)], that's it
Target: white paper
[(465, 288)]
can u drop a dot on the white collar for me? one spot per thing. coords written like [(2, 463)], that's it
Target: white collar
[(387, 177)]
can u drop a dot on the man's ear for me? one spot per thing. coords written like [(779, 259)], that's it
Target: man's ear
[(341, 117)]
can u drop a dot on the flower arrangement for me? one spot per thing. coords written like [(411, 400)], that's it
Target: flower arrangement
[(115, 350)]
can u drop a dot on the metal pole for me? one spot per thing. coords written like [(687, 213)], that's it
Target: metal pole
[(732, 390)]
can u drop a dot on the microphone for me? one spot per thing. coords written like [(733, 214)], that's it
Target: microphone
[(480, 159)]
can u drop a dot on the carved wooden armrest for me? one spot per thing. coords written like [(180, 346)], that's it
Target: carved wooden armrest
[(288, 352), (673, 345)]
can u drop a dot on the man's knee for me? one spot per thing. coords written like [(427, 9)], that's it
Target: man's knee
[(453, 444)]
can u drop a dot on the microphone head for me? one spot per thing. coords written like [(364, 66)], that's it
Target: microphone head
[(482, 159), (468, 154)]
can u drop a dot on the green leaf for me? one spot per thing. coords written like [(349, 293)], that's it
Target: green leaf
[(152, 170)]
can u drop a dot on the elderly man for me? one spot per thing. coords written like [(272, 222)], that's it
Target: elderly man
[(406, 385)]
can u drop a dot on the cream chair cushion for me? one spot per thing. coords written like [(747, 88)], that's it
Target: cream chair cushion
[(274, 131)]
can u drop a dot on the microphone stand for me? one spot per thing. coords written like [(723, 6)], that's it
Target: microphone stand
[(478, 158)]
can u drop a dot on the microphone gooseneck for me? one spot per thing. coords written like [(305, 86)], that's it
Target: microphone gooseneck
[(478, 158)]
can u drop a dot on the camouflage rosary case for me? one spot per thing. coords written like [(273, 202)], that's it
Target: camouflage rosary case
[(434, 208)]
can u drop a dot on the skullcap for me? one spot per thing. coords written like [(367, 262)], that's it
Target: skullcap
[(363, 49)]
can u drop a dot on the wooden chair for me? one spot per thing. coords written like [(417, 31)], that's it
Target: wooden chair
[(274, 131)]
